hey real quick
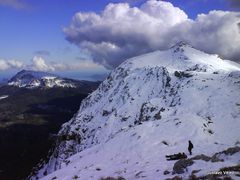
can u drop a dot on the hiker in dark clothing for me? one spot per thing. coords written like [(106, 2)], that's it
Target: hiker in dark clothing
[(190, 147)]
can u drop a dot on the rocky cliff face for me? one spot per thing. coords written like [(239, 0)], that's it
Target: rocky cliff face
[(148, 107)]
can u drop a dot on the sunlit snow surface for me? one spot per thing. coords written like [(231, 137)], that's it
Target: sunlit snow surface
[(145, 110), (3, 97)]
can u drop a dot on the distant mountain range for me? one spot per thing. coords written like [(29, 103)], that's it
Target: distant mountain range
[(33, 106), (37, 79)]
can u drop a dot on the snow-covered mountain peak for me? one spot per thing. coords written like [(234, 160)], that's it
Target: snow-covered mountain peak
[(181, 57), (149, 107), (181, 45), (35, 79), (24, 74)]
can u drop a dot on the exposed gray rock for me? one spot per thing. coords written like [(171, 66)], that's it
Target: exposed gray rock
[(202, 157), (181, 165)]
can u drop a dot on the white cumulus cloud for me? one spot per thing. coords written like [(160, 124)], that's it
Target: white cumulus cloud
[(121, 31), (3, 65), (10, 64), (40, 64)]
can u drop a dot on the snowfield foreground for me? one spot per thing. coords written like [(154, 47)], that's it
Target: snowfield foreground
[(149, 107)]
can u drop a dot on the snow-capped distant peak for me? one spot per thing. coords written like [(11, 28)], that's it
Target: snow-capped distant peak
[(35, 79)]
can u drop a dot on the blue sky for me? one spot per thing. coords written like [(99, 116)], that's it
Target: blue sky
[(30, 27)]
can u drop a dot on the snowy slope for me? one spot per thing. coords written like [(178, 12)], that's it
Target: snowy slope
[(148, 107), (35, 79), (3, 97)]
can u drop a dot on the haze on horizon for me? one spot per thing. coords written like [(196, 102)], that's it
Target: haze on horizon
[(85, 39)]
